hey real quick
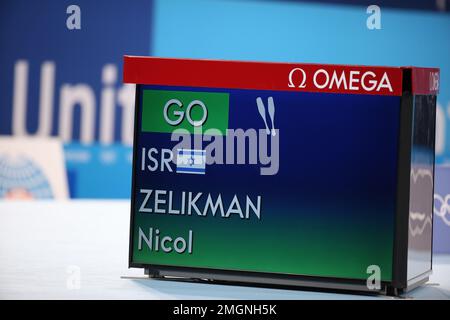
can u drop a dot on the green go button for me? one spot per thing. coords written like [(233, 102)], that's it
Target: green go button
[(165, 111)]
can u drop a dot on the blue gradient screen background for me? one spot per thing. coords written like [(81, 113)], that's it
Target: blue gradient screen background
[(329, 211)]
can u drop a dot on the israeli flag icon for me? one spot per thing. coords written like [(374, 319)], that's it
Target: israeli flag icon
[(191, 161)]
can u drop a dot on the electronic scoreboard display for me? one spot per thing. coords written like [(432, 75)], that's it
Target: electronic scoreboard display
[(283, 173)]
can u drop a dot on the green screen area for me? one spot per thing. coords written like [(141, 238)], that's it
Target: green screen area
[(304, 246), (154, 101)]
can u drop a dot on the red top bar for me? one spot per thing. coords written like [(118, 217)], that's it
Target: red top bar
[(264, 76)]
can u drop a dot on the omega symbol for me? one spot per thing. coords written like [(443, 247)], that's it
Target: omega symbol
[(303, 78)]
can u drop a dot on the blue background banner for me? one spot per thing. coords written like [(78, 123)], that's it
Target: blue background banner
[(67, 83), (80, 73)]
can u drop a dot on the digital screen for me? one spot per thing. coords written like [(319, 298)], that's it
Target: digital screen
[(313, 194)]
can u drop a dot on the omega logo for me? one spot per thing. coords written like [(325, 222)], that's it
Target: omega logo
[(351, 80), (303, 78)]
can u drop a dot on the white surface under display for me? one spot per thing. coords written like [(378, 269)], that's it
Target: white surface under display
[(79, 250)]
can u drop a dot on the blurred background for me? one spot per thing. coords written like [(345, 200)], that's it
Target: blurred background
[(71, 118)]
